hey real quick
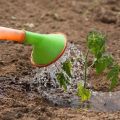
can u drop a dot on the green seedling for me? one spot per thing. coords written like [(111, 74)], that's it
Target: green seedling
[(102, 61)]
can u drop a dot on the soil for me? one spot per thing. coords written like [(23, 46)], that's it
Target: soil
[(18, 100)]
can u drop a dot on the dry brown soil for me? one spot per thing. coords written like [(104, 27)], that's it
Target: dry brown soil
[(73, 17)]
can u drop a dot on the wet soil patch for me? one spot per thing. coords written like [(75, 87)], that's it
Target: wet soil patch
[(49, 89)]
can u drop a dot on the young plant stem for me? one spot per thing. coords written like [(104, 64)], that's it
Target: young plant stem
[(85, 69)]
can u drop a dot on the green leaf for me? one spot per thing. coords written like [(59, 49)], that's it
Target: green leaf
[(113, 75), (96, 43), (114, 71), (67, 65), (84, 93), (114, 82), (63, 80), (102, 63)]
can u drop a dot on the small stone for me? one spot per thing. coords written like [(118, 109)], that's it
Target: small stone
[(31, 25)]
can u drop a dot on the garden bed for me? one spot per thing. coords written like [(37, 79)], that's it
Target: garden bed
[(18, 98)]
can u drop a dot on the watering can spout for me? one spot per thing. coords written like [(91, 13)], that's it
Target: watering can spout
[(47, 48)]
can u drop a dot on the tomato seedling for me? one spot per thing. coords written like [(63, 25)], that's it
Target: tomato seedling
[(96, 45)]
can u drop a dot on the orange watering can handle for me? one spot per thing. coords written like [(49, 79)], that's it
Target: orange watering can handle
[(12, 34)]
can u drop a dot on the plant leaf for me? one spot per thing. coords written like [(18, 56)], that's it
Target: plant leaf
[(63, 81), (67, 65), (113, 76), (96, 43), (102, 63), (114, 82), (114, 71), (84, 93)]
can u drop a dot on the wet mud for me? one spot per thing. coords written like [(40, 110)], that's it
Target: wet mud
[(50, 90)]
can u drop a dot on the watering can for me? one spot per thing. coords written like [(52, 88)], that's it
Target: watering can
[(47, 48)]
